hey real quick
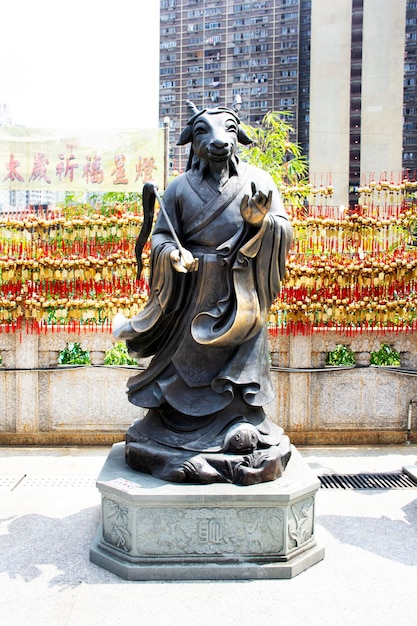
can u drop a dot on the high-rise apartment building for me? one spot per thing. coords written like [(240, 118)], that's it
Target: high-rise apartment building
[(346, 71), (213, 50), (410, 90)]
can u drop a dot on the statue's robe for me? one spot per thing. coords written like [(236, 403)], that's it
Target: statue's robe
[(207, 329)]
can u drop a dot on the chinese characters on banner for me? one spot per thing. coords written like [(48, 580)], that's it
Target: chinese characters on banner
[(82, 160)]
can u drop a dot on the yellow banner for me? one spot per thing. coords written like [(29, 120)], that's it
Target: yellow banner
[(85, 160)]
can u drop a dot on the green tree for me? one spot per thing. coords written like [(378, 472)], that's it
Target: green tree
[(273, 151)]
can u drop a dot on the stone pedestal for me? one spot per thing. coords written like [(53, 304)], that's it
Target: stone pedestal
[(154, 530)]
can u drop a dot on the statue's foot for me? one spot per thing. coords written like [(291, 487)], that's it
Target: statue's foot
[(241, 439), (267, 468), (198, 470), (264, 465)]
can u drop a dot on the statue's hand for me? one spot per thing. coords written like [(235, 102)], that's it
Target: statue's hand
[(253, 210), (122, 328), (183, 261)]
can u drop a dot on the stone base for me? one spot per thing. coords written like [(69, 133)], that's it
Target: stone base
[(154, 530)]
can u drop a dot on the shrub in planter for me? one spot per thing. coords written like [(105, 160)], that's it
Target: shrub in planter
[(342, 356), (118, 355), (385, 356), (73, 354)]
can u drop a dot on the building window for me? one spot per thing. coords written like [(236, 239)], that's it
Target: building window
[(168, 57), (241, 7), (194, 82), (259, 91), (214, 95), (262, 104), (214, 40), (287, 102), (259, 20), (168, 44), (286, 17), (289, 87), (168, 17)]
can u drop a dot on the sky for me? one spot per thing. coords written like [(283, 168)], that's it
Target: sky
[(80, 63)]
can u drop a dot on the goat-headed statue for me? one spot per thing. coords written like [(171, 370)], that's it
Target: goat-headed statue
[(205, 320)]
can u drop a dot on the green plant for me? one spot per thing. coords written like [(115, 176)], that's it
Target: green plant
[(341, 355), (74, 205), (73, 354), (110, 198), (78, 204), (385, 356), (273, 151), (118, 355)]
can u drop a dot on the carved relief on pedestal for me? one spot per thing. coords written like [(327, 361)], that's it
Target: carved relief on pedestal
[(300, 523), (251, 531), (116, 525)]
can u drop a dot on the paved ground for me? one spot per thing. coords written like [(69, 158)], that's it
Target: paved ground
[(368, 576)]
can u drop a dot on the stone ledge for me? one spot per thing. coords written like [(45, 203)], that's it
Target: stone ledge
[(334, 437), (61, 438)]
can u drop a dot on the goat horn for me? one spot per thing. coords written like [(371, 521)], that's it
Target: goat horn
[(237, 103), (191, 107)]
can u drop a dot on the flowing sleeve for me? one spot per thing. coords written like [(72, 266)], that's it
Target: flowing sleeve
[(256, 274), (167, 289)]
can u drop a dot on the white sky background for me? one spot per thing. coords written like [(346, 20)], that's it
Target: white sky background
[(80, 63)]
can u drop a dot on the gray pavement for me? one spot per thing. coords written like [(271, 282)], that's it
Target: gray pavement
[(49, 519)]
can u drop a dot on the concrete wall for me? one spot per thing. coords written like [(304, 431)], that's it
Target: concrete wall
[(330, 94), (44, 405), (347, 406), (49, 404), (382, 86)]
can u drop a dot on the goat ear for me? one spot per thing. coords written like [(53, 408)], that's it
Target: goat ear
[(243, 137), (186, 136)]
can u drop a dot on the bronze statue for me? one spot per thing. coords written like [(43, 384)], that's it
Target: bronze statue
[(218, 256)]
